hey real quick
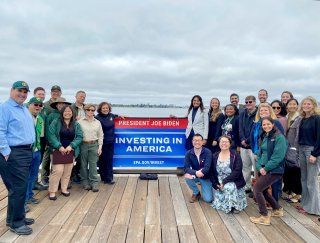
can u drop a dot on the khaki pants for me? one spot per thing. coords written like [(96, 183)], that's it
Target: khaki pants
[(60, 171)]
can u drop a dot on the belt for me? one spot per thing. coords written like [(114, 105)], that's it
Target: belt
[(90, 142), (22, 146)]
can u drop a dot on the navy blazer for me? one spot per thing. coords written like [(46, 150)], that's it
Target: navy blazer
[(236, 175), (191, 163)]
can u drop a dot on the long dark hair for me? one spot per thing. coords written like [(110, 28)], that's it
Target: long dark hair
[(283, 111), (201, 103), (274, 132), (63, 124)]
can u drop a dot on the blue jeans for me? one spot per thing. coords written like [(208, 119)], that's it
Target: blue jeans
[(206, 188), (34, 170)]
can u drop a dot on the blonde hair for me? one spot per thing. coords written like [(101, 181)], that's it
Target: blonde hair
[(265, 105), (314, 111), (214, 115), (87, 106)]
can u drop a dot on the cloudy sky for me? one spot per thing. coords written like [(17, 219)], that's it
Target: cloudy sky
[(152, 51)]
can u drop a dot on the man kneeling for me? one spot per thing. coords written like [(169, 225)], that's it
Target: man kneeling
[(197, 163)]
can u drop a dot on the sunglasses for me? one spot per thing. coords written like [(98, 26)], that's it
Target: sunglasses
[(276, 107), (38, 105), (90, 110), (249, 102)]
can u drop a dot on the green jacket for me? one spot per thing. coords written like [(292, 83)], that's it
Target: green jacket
[(52, 116), (272, 153), (54, 137), (47, 106), (39, 126), (75, 109)]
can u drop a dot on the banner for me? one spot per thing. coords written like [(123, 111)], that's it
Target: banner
[(144, 143)]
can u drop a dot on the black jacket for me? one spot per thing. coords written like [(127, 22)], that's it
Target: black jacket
[(191, 163), (236, 175), (246, 121), (107, 123)]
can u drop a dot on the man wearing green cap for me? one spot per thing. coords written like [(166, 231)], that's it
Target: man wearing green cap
[(35, 106), (17, 135)]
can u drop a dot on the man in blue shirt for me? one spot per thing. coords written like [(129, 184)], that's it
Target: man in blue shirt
[(197, 163), (17, 135)]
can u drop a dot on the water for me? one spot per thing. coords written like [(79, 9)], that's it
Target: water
[(149, 112)]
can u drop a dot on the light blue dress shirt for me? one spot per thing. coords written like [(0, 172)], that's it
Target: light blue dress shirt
[(16, 126)]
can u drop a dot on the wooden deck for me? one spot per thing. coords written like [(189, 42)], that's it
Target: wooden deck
[(151, 211)]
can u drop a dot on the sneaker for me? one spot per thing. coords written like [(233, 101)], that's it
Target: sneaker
[(95, 188), (263, 220), (26, 209), (195, 198), (87, 187), (40, 187), (33, 201), (277, 212)]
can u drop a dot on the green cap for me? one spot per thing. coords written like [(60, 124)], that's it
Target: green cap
[(21, 85), (55, 87), (35, 100)]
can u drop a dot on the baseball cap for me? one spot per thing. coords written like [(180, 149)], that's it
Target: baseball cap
[(21, 85)]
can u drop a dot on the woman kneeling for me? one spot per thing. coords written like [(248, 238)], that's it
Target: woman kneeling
[(228, 179)]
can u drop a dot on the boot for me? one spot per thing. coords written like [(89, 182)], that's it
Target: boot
[(263, 220), (195, 198), (277, 212)]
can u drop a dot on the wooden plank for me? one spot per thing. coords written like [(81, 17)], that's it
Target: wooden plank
[(270, 232), (44, 218), (216, 224), (168, 222), (103, 228), (136, 225), (179, 204), (235, 229), (47, 234), (118, 234), (70, 227), (97, 207), (74, 200), (152, 233), (199, 221), (153, 204), (187, 234), (83, 234), (124, 211), (253, 232)]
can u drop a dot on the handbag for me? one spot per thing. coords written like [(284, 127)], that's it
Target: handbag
[(148, 176), (291, 159), (58, 158)]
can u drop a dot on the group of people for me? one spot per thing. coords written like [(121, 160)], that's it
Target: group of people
[(280, 140), (277, 142), (67, 139)]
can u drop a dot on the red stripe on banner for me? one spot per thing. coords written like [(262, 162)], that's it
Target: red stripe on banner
[(167, 123)]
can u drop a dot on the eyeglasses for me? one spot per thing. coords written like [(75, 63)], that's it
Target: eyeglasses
[(276, 107), (249, 102), (92, 110), (38, 105)]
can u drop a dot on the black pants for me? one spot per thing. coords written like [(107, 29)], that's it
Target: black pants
[(15, 174), (292, 180), (106, 162)]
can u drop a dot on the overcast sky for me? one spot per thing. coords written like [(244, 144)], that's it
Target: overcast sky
[(161, 51)]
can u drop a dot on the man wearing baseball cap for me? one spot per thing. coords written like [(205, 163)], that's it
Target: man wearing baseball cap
[(35, 106), (17, 136)]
